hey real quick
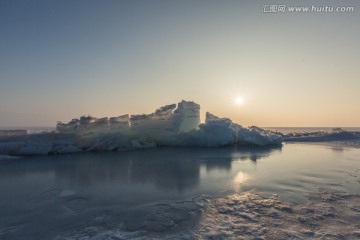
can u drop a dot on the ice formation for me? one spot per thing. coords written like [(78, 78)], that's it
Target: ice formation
[(165, 121), (171, 125)]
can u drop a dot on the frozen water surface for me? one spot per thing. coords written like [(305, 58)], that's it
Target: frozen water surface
[(299, 191)]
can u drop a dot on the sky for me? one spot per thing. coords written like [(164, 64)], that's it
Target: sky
[(60, 59)]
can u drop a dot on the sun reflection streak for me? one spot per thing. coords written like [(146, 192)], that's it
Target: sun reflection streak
[(239, 180)]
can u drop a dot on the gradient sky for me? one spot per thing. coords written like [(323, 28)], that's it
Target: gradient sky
[(66, 58)]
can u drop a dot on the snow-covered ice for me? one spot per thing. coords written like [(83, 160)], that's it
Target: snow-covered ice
[(171, 125)]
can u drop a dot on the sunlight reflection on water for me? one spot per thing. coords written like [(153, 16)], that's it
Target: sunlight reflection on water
[(239, 179)]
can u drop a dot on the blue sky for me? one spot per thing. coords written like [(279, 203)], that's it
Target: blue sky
[(63, 59)]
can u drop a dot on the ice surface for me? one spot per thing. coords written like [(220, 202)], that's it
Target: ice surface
[(322, 137), (10, 147), (328, 215), (335, 135), (35, 148)]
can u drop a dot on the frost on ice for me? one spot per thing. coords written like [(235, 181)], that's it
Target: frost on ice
[(170, 125)]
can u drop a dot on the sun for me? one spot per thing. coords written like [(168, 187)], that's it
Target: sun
[(239, 101)]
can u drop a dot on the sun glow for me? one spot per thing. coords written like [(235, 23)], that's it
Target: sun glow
[(239, 101)]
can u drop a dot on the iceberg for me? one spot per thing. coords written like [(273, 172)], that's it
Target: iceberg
[(176, 125)]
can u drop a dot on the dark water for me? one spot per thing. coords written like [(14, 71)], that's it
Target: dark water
[(52, 192)]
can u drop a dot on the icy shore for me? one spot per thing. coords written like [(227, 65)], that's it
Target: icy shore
[(327, 215)]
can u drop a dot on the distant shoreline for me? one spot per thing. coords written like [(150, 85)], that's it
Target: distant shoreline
[(284, 130)]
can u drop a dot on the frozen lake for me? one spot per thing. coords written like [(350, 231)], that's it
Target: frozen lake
[(43, 197)]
